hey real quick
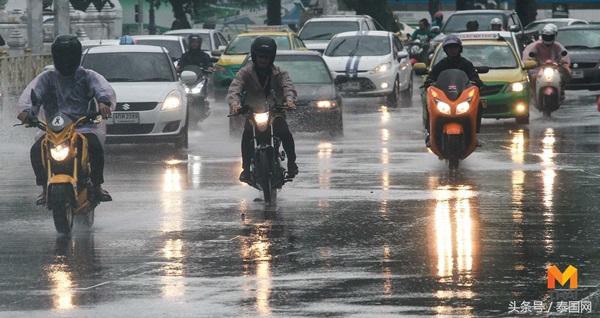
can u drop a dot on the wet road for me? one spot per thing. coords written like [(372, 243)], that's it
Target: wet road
[(374, 225)]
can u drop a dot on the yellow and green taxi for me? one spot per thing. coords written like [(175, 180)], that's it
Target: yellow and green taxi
[(505, 93), (232, 58)]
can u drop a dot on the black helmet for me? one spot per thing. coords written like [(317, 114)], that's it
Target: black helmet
[(452, 40), (66, 54), (263, 45)]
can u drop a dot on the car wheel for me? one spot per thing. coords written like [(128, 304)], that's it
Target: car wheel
[(337, 129), (182, 141), (394, 98), (406, 99)]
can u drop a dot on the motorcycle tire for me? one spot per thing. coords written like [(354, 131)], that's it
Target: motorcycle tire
[(62, 210), (454, 148), (269, 191)]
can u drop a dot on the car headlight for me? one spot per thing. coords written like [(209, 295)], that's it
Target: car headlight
[(548, 73), (325, 104), (60, 152), (517, 87), (261, 118), (442, 107), (173, 101), (462, 107), (382, 68)]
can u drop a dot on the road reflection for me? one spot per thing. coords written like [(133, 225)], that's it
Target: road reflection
[(548, 178), (256, 250), (171, 197), (385, 114), (455, 248), (324, 160)]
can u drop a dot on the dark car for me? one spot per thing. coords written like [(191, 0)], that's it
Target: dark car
[(532, 30), (583, 44), (319, 107)]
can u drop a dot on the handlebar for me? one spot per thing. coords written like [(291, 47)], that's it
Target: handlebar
[(246, 110), (95, 117)]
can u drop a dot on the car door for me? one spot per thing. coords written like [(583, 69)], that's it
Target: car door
[(402, 65)]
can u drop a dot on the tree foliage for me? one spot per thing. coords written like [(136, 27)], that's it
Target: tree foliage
[(377, 9)]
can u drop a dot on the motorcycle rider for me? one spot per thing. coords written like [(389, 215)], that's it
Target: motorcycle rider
[(195, 55), (547, 48), (452, 46), (71, 90), (258, 81), (472, 26), (423, 33), (438, 19), (496, 24)]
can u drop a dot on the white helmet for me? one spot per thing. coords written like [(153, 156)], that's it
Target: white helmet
[(496, 24), (549, 33)]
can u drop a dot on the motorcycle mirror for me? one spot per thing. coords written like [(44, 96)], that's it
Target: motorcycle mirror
[(402, 55), (188, 77), (482, 69), (531, 54), (530, 64), (564, 53), (514, 28), (420, 69)]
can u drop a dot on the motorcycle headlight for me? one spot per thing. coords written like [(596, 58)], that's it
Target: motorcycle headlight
[(173, 101), (261, 119), (196, 90), (462, 107), (548, 73), (382, 68), (60, 152), (442, 107), (517, 87)]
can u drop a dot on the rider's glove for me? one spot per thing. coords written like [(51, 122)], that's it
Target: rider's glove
[(235, 107), (290, 104), (26, 117)]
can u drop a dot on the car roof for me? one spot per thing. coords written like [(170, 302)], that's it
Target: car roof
[(157, 37), (472, 12), (484, 35), (580, 27), (363, 33), (126, 48), (273, 33), (298, 53), (187, 31), (557, 20), (340, 18), (100, 42)]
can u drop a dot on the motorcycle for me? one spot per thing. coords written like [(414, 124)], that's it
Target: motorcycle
[(267, 173), (548, 90), (418, 51), (453, 104), (197, 90), (65, 156)]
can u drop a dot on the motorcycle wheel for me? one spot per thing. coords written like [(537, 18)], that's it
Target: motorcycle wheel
[(63, 218), (87, 219), (454, 146), (406, 95), (393, 100), (269, 192)]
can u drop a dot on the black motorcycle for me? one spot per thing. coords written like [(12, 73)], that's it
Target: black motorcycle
[(267, 173), (197, 91)]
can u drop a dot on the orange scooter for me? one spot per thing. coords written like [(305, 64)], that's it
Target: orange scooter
[(453, 104)]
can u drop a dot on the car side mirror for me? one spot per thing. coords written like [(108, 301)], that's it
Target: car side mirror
[(401, 55), (530, 64), (216, 53), (420, 69), (482, 69), (514, 28), (222, 48), (188, 77)]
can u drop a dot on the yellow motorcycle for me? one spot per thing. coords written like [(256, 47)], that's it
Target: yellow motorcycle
[(65, 158)]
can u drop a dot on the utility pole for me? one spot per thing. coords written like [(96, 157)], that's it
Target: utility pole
[(141, 17), (273, 12), (35, 32), (62, 18)]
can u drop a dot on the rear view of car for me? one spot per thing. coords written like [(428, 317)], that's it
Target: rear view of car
[(317, 32), (151, 102), (174, 45)]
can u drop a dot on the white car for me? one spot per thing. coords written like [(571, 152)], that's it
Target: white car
[(174, 44), (151, 101), (371, 64), (317, 32), (212, 40)]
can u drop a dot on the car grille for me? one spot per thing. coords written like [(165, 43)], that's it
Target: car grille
[(583, 65), (365, 83), (129, 129), (490, 90), (136, 106)]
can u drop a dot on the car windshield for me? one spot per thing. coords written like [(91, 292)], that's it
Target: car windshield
[(174, 47), (325, 30), (458, 22), (131, 66), (359, 46), (204, 36), (579, 38), (304, 69), (537, 26), (492, 56), (241, 44)]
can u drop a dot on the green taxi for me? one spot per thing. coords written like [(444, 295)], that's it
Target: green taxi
[(233, 57), (505, 93)]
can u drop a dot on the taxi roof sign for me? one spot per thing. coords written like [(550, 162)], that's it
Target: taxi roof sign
[(268, 28), (480, 36)]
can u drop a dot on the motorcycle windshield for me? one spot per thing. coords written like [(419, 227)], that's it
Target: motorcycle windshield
[(452, 82)]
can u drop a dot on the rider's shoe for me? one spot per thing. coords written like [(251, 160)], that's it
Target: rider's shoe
[(41, 199), (292, 170), (101, 194), (245, 176)]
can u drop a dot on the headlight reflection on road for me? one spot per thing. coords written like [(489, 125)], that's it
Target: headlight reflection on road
[(62, 286), (517, 147), (173, 271), (388, 287), (548, 178), (256, 249), (196, 165), (325, 152), (385, 114)]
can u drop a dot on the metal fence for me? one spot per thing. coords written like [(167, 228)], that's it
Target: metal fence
[(17, 71)]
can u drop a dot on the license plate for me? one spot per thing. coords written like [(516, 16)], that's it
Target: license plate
[(126, 118), (351, 86), (577, 74)]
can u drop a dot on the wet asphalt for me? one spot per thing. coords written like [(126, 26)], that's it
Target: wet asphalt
[(374, 225)]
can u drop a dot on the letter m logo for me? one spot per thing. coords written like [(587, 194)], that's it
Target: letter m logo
[(554, 274)]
